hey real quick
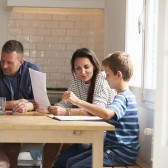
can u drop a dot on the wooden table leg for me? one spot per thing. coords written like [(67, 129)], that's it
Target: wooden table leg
[(97, 149)]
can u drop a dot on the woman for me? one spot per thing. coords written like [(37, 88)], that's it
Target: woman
[(89, 84)]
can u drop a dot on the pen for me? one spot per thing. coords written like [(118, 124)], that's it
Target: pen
[(10, 111), (13, 111)]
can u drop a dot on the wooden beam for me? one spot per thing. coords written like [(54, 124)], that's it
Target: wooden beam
[(57, 3)]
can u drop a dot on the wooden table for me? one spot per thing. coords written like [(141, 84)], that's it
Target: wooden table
[(36, 128)]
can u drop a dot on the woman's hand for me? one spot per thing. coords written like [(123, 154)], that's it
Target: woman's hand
[(70, 96), (38, 109), (57, 110), (35, 104), (44, 111)]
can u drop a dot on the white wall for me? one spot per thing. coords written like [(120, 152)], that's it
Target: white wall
[(4, 22), (115, 17), (146, 117), (160, 150), (49, 39)]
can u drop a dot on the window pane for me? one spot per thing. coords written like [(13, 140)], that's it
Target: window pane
[(151, 44), (134, 38)]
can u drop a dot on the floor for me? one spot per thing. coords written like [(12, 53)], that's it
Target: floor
[(28, 167), (25, 161)]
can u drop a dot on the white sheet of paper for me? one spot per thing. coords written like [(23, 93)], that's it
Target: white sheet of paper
[(38, 80), (76, 118)]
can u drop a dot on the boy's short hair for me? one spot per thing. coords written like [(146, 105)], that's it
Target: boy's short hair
[(119, 61)]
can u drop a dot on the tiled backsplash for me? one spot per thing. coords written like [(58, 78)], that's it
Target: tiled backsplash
[(49, 40)]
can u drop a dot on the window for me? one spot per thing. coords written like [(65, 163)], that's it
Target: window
[(134, 37), (150, 44), (141, 41)]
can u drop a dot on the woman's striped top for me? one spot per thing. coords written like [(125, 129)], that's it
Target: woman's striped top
[(103, 94)]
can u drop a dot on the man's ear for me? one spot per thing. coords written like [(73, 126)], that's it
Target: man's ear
[(21, 61)]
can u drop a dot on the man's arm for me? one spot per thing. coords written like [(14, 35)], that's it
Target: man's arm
[(21, 105), (11, 104)]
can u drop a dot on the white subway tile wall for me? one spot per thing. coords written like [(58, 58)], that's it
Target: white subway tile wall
[(49, 40)]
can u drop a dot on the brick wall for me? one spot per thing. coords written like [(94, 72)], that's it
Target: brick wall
[(50, 39)]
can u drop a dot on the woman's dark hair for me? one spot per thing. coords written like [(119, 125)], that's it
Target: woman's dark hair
[(85, 52)]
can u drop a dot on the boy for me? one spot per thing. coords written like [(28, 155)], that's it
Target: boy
[(120, 146)]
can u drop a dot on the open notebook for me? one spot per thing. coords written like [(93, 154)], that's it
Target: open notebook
[(76, 118)]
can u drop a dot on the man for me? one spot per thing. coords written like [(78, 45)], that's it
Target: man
[(15, 85), (4, 162), (15, 82)]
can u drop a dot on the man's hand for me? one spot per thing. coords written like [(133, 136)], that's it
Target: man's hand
[(23, 106)]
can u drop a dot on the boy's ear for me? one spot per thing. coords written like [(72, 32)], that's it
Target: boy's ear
[(119, 74)]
